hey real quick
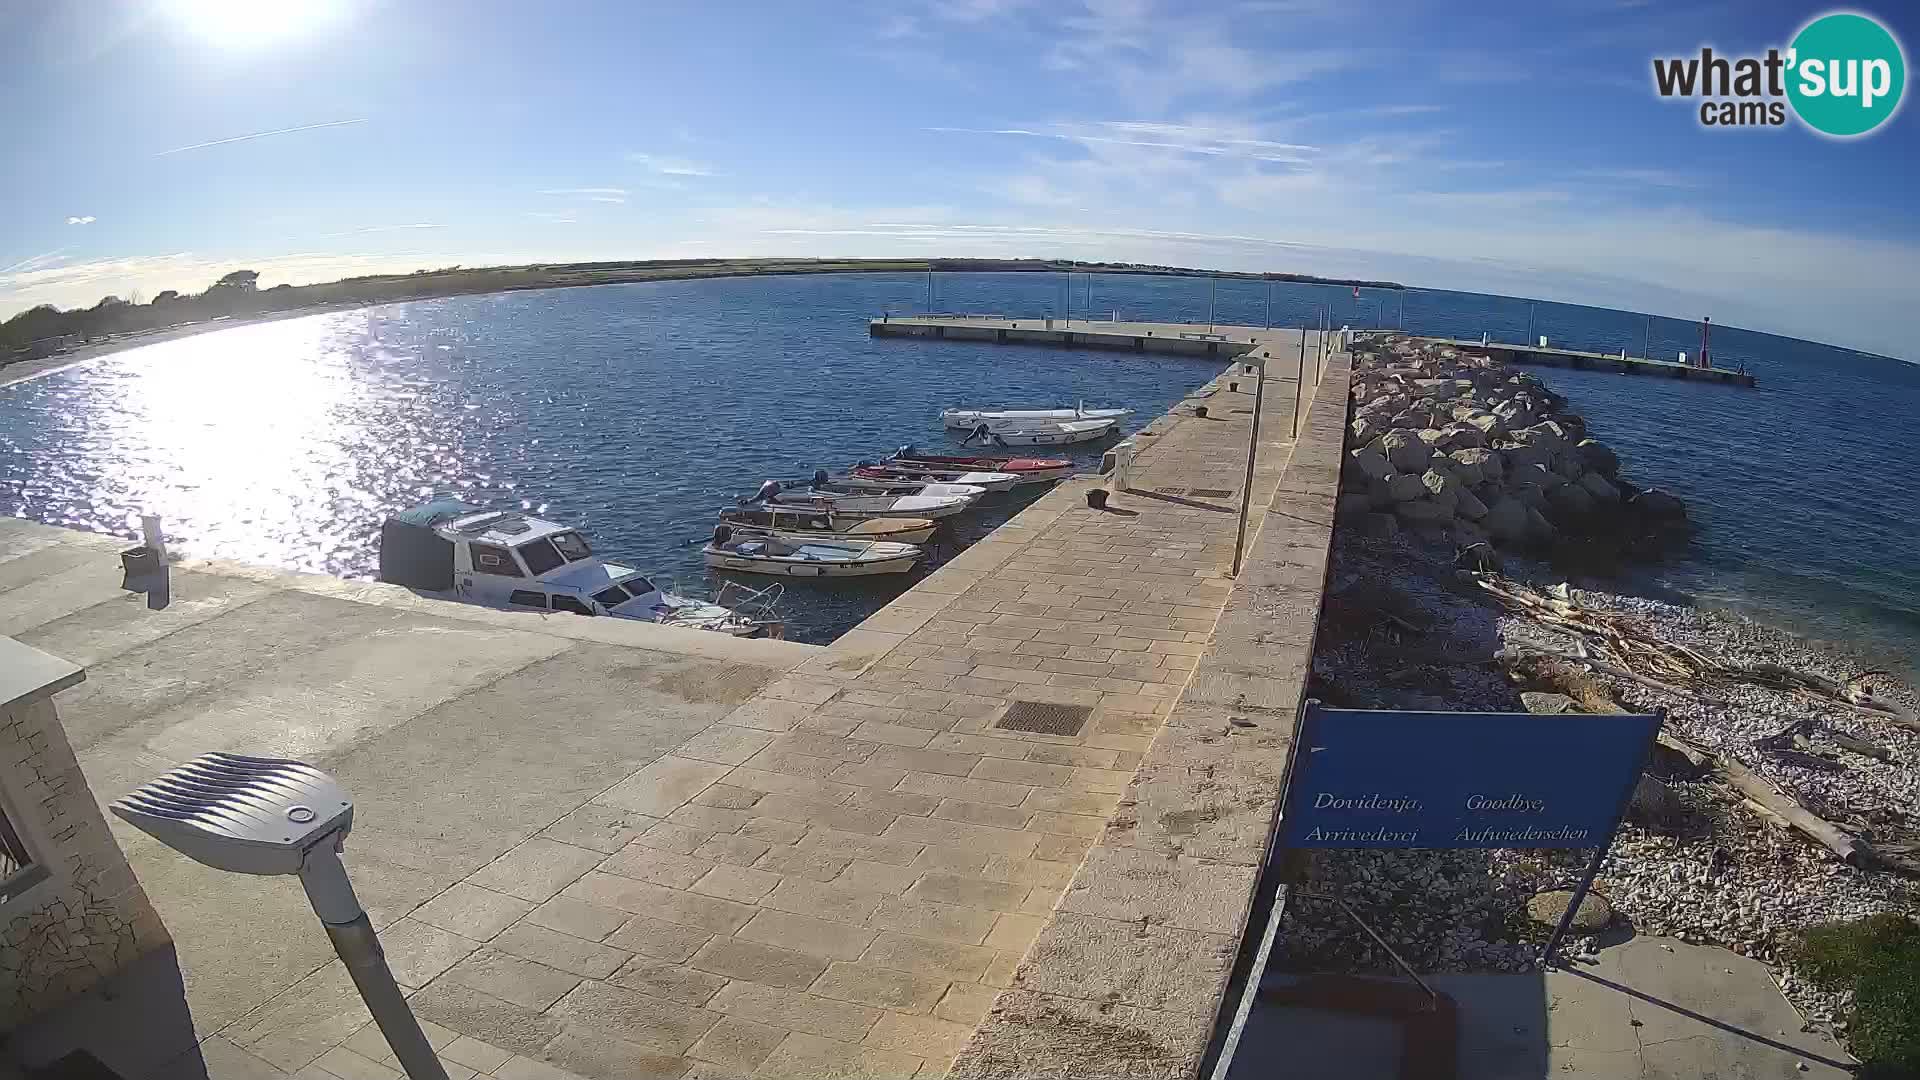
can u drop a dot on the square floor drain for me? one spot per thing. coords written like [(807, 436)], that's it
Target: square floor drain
[(1211, 493), (1171, 491), (1045, 718)]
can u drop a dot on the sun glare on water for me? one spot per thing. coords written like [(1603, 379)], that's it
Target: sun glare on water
[(247, 24)]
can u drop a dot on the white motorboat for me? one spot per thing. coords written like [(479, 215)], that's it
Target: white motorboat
[(826, 525), (900, 473), (1044, 433), (763, 554), (772, 493), (968, 419), (506, 559)]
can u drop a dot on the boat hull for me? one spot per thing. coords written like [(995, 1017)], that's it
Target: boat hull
[(799, 568), (972, 418)]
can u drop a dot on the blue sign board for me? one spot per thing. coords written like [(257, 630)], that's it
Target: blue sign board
[(1367, 779)]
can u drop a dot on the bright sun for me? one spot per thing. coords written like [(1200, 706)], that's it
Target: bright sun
[(243, 24)]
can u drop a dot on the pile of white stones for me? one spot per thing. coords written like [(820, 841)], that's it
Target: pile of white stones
[(1460, 446)]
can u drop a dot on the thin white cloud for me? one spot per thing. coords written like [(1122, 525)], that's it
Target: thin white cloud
[(33, 263), (374, 229), (262, 135), (87, 220), (668, 165), (596, 194), (1153, 135)]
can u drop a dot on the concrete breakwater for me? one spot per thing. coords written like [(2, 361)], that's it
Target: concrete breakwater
[(1459, 445)]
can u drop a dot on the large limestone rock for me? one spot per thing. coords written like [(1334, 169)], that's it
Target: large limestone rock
[(1659, 505), (1506, 520), (1468, 473), (1596, 457), (1468, 505), (1405, 487), (1490, 423), (1365, 429), (1406, 451), (1596, 485), (1570, 502), (1424, 512), (1514, 415), (1593, 915), (1487, 462), (1372, 463), (1460, 437), (1441, 486)]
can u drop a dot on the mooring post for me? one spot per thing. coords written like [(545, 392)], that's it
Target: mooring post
[(1299, 380), (1253, 448)]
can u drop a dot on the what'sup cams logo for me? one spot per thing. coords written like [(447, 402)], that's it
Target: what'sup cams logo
[(1843, 76)]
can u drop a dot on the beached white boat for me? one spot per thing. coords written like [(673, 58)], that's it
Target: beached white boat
[(1045, 433), (760, 553), (1021, 418), (506, 559), (899, 473), (825, 525), (772, 493)]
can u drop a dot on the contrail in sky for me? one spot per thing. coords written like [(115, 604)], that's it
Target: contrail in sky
[(261, 135)]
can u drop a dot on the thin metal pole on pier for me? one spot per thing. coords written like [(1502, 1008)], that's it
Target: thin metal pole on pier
[(1213, 286), (1646, 341), (1253, 448), (1529, 322), (1269, 304), (1089, 296), (1299, 380), (929, 292)]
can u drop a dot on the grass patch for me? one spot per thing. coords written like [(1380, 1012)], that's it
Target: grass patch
[(1878, 958)]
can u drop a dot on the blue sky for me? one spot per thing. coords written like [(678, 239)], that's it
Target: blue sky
[(1519, 151)]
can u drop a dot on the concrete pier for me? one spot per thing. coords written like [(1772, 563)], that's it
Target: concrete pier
[(1547, 356), (1024, 803)]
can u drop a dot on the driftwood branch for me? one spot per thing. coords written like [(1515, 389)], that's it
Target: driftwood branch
[(1776, 805), (1616, 671)]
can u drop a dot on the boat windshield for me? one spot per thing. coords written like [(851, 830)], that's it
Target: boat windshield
[(548, 552), (572, 546)]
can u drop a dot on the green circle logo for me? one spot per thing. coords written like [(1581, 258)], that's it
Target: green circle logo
[(1846, 74)]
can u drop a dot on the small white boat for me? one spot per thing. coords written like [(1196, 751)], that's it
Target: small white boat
[(506, 559), (826, 525), (898, 473), (862, 506), (1027, 470), (853, 484), (763, 554), (1020, 418), (1055, 433)]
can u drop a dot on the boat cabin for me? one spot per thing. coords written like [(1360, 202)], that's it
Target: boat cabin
[(795, 519), (507, 559)]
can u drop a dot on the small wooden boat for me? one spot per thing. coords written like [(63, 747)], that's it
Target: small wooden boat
[(1027, 470), (1056, 433), (826, 525), (861, 506), (759, 553), (849, 484), (899, 473), (969, 419)]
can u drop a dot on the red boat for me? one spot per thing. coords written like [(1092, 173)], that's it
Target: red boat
[(1029, 470)]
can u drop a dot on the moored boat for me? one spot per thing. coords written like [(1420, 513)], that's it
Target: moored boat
[(898, 473), (759, 553), (849, 484), (1053, 433), (772, 493), (1021, 418), (826, 525), (506, 559), (1028, 470)]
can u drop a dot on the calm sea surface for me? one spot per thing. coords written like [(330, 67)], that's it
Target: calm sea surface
[(635, 411)]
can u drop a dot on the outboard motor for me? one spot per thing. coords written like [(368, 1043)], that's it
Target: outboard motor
[(907, 451), (722, 534), (819, 477), (767, 491)]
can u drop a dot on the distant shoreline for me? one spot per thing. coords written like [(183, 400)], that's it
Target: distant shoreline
[(294, 301)]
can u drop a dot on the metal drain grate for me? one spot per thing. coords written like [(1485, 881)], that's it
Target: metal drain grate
[(1045, 718), (1171, 491), (1210, 493)]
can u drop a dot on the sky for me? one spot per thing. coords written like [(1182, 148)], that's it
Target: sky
[(1516, 149)]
